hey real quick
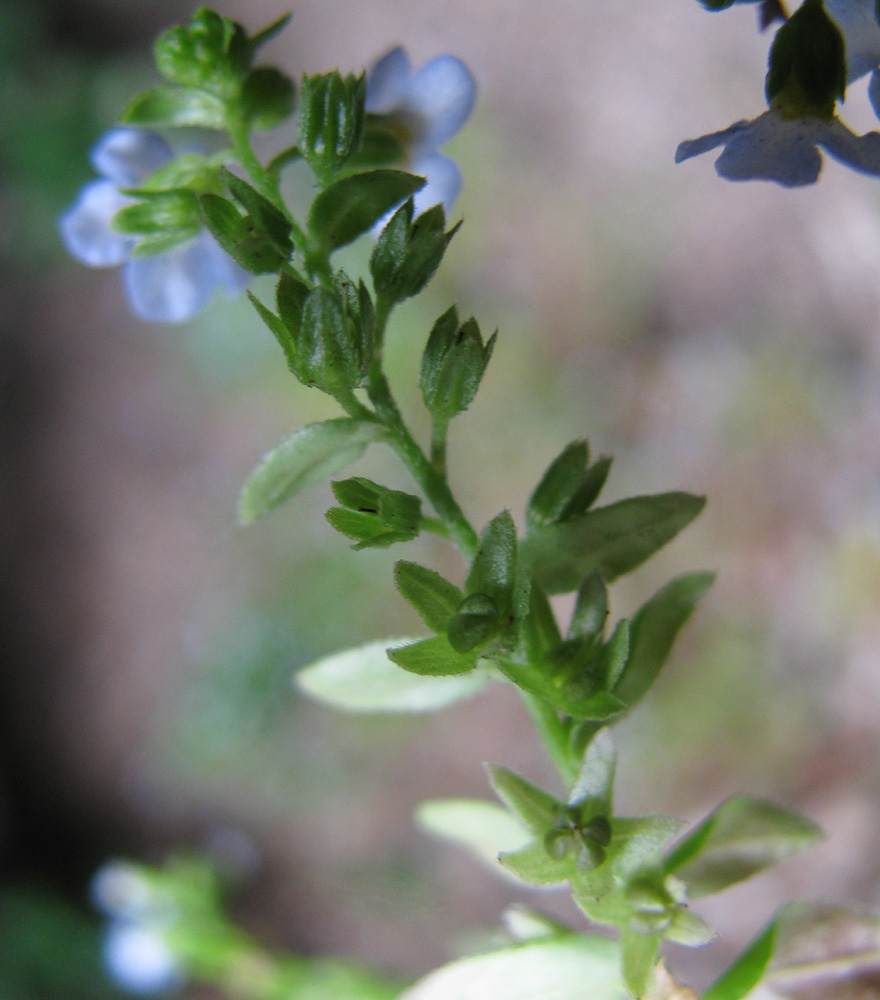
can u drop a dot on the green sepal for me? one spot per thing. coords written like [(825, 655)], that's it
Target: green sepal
[(191, 170), (587, 489), (331, 121), (434, 598), (158, 243), (270, 220), (536, 808), (290, 297), (475, 621), (807, 64), (373, 515), (453, 364), (310, 455), (379, 148), (590, 609), (239, 236), (568, 487), (652, 631), (334, 343), (268, 97), (434, 657), (533, 864), (176, 107), (595, 780), (212, 52), (408, 252), (352, 205), (613, 539), (585, 705), (638, 957), (266, 34), (279, 330), (740, 838), (160, 212)]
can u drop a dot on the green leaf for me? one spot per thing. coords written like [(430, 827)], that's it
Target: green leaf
[(279, 330), (483, 828), (352, 205), (557, 484), (744, 974), (309, 456), (595, 779), (533, 864), (176, 107), (267, 97), (374, 515), (365, 680), (475, 621), (735, 841), (433, 656), (568, 967), (652, 632), (639, 956), (635, 839), (434, 598), (588, 489), (537, 810), (590, 609), (613, 539), (270, 220), (493, 570), (269, 32)]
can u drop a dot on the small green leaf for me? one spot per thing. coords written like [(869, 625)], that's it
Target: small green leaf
[(484, 828), (434, 598), (744, 974), (279, 330), (557, 484), (310, 455), (493, 571), (269, 32), (475, 621), (352, 205), (537, 810), (635, 839), (568, 967), (639, 957), (159, 212), (434, 657), (735, 841), (177, 107), (365, 680), (652, 632), (535, 865), (588, 489), (613, 539), (595, 779), (270, 220), (267, 97)]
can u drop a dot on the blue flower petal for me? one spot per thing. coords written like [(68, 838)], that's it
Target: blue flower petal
[(773, 148), (171, 287), (127, 156), (857, 20), (387, 82), (861, 152), (874, 91), (442, 95), (225, 274), (86, 230), (694, 147), (443, 182), (139, 960)]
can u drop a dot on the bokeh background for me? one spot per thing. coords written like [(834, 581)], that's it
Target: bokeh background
[(714, 337)]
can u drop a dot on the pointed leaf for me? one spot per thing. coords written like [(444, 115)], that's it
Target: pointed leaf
[(534, 866), (613, 539), (537, 810), (744, 974), (595, 779), (557, 484), (639, 955), (365, 680), (310, 455), (484, 828), (493, 570), (652, 632), (548, 969), (433, 656), (176, 107), (351, 206), (433, 597), (735, 841)]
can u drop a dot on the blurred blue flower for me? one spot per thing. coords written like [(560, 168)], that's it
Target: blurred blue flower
[(425, 109), (772, 147), (857, 20), (169, 287)]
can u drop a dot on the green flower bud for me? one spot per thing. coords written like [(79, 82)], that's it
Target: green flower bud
[(331, 121), (453, 365)]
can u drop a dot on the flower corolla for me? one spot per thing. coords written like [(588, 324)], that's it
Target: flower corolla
[(169, 287), (424, 110), (775, 148)]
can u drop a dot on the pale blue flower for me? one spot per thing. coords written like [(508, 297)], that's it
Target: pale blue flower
[(170, 287), (139, 960), (857, 20), (774, 148), (425, 110)]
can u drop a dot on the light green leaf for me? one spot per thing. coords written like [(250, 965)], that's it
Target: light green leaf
[(533, 865), (568, 967), (595, 779), (613, 539), (177, 106), (309, 456), (735, 841), (365, 680), (744, 974), (433, 596), (484, 828), (639, 956), (537, 810), (434, 657)]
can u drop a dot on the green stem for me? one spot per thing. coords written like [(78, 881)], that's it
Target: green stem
[(554, 734), (439, 430)]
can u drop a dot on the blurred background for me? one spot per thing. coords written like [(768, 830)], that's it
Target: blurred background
[(717, 338)]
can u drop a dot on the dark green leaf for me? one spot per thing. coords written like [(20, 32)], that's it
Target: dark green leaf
[(267, 97), (613, 539), (177, 107), (557, 484), (279, 330), (588, 488), (352, 205), (652, 632), (268, 218), (433, 656), (434, 598)]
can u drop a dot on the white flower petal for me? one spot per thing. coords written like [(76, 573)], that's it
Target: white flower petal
[(387, 82), (170, 287), (441, 95), (857, 20), (443, 182), (139, 960), (773, 148), (127, 156), (694, 147), (86, 230)]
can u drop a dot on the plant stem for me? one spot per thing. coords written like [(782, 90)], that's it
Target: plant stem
[(553, 734)]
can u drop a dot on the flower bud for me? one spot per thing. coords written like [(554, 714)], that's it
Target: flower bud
[(453, 364)]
